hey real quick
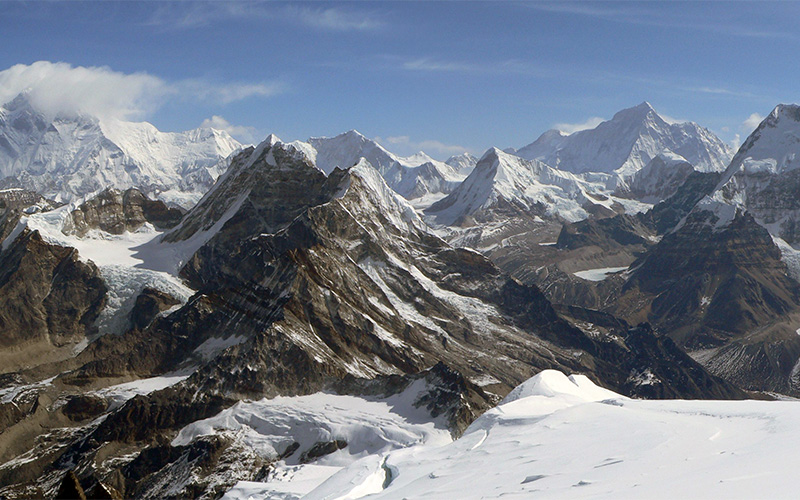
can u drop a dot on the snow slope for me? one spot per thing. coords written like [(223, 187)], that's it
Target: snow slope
[(627, 142), (68, 157), (371, 427), (564, 437)]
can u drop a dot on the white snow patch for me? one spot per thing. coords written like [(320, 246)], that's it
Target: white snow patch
[(371, 427), (215, 345), (122, 392), (598, 274)]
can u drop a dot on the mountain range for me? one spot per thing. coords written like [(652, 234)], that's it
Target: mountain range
[(185, 317), (69, 157)]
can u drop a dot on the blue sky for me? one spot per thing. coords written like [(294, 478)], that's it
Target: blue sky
[(438, 76)]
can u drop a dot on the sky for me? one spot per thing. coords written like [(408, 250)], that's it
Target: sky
[(443, 77)]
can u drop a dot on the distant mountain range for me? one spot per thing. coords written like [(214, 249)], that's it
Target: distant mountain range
[(72, 156)]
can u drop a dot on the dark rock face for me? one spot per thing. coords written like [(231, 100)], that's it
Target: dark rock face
[(622, 230), (48, 300), (148, 305), (70, 488), (115, 212), (724, 293), (82, 407), (321, 449), (711, 286), (669, 212)]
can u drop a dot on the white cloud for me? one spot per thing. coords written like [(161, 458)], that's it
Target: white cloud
[(427, 64), (336, 19), (201, 14), (571, 128), (736, 142), (752, 122), (60, 88), (56, 88), (240, 132), (405, 146)]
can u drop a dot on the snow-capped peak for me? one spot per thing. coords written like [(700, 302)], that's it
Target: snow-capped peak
[(762, 177), (773, 146), (463, 163), (69, 157), (500, 178), (636, 113), (627, 142), (345, 149), (272, 139)]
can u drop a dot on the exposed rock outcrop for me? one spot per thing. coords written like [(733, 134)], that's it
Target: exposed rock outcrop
[(115, 212)]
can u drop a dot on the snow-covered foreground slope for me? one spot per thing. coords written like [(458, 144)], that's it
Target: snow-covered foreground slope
[(367, 428), (564, 437)]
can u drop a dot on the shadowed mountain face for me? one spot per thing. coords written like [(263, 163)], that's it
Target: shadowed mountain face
[(724, 294), (307, 282)]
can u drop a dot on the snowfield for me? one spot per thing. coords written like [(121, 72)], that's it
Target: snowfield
[(564, 437)]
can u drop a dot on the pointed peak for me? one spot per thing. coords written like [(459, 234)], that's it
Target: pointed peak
[(354, 133), (492, 155), (22, 100), (638, 112), (553, 133), (272, 139), (790, 111)]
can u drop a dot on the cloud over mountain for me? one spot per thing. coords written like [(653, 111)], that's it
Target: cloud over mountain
[(59, 87)]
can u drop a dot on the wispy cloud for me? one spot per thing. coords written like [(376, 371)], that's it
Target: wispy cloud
[(720, 91), (200, 14), (62, 88), (226, 93), (508, 66), (336, 19), (242, 133), (404, 145), (752, 122), (571, 128), (428, 64), (653, 14)]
